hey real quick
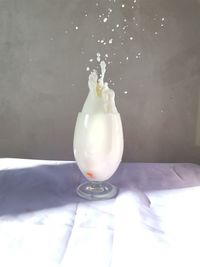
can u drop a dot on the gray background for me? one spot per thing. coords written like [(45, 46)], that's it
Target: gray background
[(43, 77)]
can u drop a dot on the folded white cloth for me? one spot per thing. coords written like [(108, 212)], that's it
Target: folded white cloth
[(154, 220)]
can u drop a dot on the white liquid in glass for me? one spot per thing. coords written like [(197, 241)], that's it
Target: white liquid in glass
[(98, 139)]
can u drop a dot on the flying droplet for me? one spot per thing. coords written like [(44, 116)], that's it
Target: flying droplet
[(117, 26), (98, 57), (125, 92), (131, 38), (91, 59), (105, 19), (76, 27), (126, 58), (163, 19), (88, 69), (110, 41), (123, 5)]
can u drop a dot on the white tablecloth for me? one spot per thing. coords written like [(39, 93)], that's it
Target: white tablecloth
[(154, 220)]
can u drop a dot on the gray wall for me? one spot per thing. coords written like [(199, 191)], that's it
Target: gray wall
[(43, 77)]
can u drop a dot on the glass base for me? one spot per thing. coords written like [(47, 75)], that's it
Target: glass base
[(97, 190)]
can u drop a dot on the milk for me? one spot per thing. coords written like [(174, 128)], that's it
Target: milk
[(98, 136)]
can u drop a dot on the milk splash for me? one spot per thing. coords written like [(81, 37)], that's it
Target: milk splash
[(98, 137), (101, 99)]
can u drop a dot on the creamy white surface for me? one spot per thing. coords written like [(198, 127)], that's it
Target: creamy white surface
[(44, 223)]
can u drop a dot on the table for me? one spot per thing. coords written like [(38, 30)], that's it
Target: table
[(154, 220)]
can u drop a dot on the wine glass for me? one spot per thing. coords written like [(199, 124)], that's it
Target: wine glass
[(98, 148)]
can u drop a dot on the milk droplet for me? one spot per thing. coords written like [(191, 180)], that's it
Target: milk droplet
[(98, 57), (162, 25), (117, 26), (88, 69), (163, 19), (102, 41), (97, 4), (126, 58), (110, 41), (85, 15), (125, 92), (110, 10), (125, 20), (131, 38), (76, 27), (135, 1), (105, 19), (106, 55), (120, 62), (156, 33), (123, 5), (91, 59), (113, 30), (132, 6), (137, 56)]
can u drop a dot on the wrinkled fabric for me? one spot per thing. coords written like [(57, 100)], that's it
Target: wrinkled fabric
[(154, 220)]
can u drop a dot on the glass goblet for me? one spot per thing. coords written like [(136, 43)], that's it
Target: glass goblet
[(98, 148)]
